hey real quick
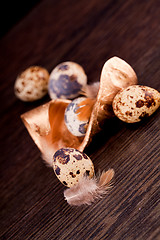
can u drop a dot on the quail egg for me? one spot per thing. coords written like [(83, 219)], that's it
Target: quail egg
[(70, 165), (77, 115), (136, 102), (32, 84), (66, 81)]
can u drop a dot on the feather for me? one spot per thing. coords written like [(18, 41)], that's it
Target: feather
[(106, 178), (85, 109), (87, 190), (48, 153), (91, 90)]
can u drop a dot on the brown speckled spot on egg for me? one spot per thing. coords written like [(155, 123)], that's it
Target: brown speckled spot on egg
[(149, 99), (63, 160), (17, 90), (63, 67), (72, 174), (73, 77), (77, 157), (29, 92), (68, 150), (57, 170), (142, 88), (78, 172), (139, 103), (85, 156), (61, 156), (117, 108), (128, 113)]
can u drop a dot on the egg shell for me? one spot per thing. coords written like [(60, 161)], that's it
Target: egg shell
[(70, 165), (66, 81), (135, 103), (32, 84), (75, 122)]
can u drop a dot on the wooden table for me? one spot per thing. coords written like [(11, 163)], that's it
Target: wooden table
[(32, 205)]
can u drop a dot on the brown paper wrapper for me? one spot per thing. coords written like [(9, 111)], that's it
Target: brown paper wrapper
[(46, 123)]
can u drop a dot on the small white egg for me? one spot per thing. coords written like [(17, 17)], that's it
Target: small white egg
[(70, 165), (135, 103), (32, 84)]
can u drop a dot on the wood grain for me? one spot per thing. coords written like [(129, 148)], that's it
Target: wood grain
[(32, 205), (14, 11)]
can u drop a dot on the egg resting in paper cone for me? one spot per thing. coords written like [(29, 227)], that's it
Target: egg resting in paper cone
[(46, 123)]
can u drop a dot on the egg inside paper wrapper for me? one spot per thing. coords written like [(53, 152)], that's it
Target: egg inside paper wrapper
[(66, 81), (70, 165), (77, 115), (135, 103)]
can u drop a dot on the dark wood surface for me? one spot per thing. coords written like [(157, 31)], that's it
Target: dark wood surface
[(11, 12), (32, 205)]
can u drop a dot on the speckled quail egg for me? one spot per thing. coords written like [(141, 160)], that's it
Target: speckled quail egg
[(66, 81), (136, 102), (77, 115), (32, 84), (70, 165)]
